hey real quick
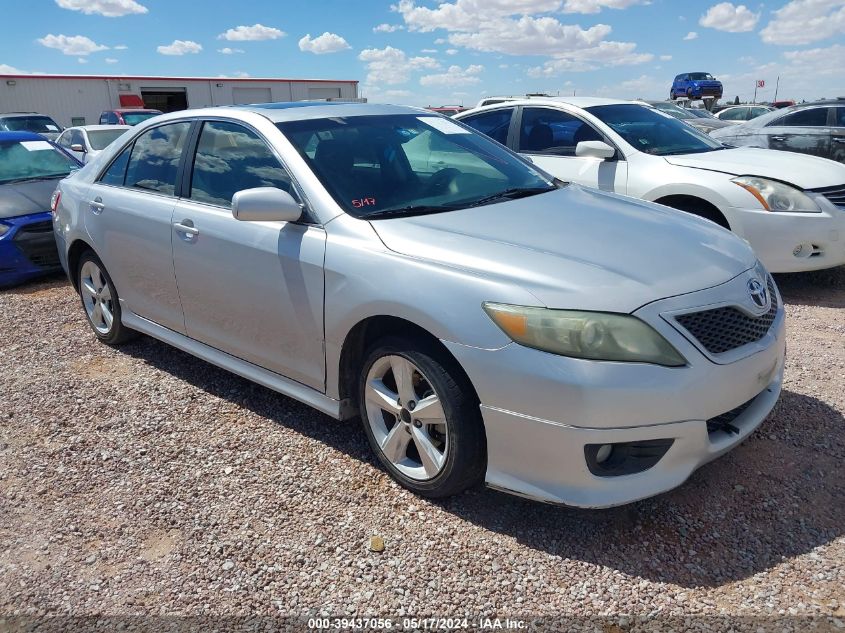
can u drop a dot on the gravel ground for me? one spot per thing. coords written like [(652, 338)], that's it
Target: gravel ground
[(144, 481)]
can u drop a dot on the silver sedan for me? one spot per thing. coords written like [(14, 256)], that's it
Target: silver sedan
[(486, 322)]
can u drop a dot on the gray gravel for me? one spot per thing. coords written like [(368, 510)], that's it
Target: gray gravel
[(144, 481)]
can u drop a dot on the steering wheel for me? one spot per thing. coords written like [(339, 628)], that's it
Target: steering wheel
[(440, 180)]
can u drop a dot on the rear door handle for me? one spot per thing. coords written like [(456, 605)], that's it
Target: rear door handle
[(97, 205), (838, 139), (186, 229)]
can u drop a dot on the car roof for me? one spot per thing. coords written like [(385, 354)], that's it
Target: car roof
[(131, 110), (21, 136), (8, 115), (298, 110), (578, 102), (94, 128)]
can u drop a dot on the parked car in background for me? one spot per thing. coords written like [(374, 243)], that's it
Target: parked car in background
[(447, 110), (30, 122), (777, 105), (486, 322), (30, 167), (810, 128), (688, 115), (85, 142), (740, 113), (132, 116), (789, 208), (695, 86)]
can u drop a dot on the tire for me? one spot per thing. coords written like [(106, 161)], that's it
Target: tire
[(100, 301), (429, 458), (689, 93)]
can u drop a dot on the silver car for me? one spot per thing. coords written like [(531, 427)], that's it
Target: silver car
[(486, 322)]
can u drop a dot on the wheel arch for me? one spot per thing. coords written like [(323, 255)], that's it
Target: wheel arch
[(74, 252), (363, 335)]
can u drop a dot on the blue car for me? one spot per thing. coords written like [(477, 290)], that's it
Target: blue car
[(695, 86), (30, 167)]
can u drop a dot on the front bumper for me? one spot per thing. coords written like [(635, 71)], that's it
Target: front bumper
[(793, 242), (27, 249), (541, 410)]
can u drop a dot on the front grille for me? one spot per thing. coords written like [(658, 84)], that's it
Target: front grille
[(724, 422), (723, 329), (835, 194), (37, 243)]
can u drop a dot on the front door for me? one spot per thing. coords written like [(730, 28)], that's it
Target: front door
[(129, 216), (251, 289), (549, 137)]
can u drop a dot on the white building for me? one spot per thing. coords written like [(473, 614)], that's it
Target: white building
[(79, 99)]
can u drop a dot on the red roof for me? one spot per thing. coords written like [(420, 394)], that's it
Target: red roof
[(149, 78)]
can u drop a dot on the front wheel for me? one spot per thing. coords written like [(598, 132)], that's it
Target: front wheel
[(421, 418), (100, 301)]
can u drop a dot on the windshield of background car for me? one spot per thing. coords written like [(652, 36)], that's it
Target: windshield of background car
[(101, 139), (700, 76), (31, 160), (134, 118), (653, 132), (675, 111), (37, 124), (409, 164)]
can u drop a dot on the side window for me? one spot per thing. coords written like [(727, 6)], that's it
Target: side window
[(809, 117), (548, 131), (116, 173), (76, 138), (64, 139), (734, 114), (155, 158), (494, 124), (840, 117), (230, 158)]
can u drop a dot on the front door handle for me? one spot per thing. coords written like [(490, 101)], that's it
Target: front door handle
[(186, 230), (779, 138), (837, 139), (97, 205)]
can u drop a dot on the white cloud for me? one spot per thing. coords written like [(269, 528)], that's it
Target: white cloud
[(428, 50), (452, 51), (5, 69), (642, 87), (111, 60), (82, 60), (387, 28), (241, 74), (253, 33), (692, 35), (592, 58), (120, 47), (108, 8), (230, 51), (665, 58), (71, 44), (392, 66), (594, 6), (323, 44), (454, 76), (805, 21), (727, 17), (180, 47)]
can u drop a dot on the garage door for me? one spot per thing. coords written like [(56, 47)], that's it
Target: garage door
[(251, 95), (324, 93)]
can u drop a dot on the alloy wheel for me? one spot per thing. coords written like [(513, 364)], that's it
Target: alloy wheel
[(96, 297), (406, 417)]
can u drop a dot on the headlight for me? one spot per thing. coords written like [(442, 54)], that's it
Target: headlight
[(776, 196), (590, 335), (4, 228)]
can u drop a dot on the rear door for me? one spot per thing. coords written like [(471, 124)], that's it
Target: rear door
[(549, 137), (129, 215), (805, 131), (837, 134), (251, 289)]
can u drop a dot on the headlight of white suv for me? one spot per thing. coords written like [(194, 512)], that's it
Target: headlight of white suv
[(776, 196), (590, 335)]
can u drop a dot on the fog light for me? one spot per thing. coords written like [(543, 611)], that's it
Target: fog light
[(625, 458), (603, 453)]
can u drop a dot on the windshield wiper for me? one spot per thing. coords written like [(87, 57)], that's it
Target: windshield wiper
[(419, 209), (511, 194)]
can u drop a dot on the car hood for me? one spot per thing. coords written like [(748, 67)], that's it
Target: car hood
[(801, 170), (23, 198), (577, 248)]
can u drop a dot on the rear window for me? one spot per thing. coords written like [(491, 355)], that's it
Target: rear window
[(809, 117), (101, 139), (134, 118)]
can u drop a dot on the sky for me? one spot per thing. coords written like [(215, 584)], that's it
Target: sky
[(443, 52)]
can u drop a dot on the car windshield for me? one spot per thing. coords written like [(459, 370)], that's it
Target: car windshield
[(134, 118), (33, 160), (37, 124), (698, 113), (700, 76), (100, 139), (675, 111), (654, 132), (408, 164)]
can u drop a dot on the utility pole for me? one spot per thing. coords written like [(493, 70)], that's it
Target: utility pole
[(777, 83), (755, 91)]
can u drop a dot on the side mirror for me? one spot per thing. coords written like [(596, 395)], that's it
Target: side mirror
[(265, 204), (76, 147), (594, 149)]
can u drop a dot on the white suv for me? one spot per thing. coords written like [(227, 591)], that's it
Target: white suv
[(790, 208)]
